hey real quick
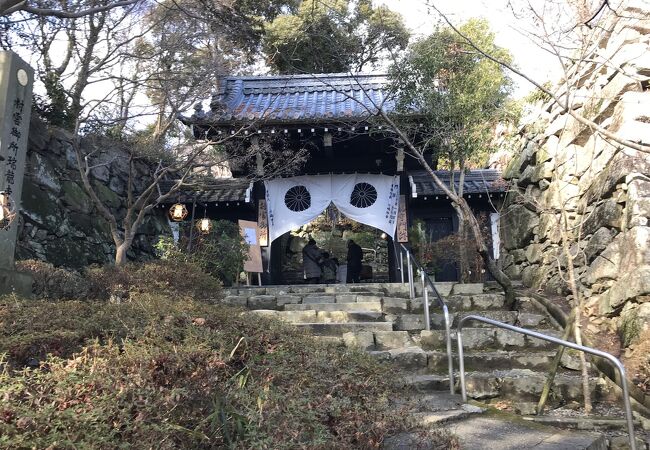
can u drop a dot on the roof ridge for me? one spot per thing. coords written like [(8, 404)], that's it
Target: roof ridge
[(309, 76)]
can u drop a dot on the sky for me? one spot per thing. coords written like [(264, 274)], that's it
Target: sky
[(528, 56)]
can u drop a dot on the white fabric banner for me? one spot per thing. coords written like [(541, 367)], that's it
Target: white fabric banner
[(370, 199)]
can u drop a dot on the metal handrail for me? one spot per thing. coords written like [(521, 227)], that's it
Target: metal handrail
[(410, 259), (582, 348)]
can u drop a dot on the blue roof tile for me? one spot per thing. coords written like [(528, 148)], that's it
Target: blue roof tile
[(297, 98)]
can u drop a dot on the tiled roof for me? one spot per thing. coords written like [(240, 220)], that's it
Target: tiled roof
[(296, 98), (211, 191), (476, 182)]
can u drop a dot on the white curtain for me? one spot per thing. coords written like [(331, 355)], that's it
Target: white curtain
[(370, 199)]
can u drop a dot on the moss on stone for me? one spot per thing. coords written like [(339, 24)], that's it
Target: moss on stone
[(106, 195), (40, 206), (75, 196)]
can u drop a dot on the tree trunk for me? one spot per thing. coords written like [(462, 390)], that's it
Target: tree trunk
[(577, 308), (462, 242), (554, 366), (483, 251), (120, 253)]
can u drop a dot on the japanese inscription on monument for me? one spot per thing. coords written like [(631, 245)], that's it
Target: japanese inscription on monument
[(16, 78)]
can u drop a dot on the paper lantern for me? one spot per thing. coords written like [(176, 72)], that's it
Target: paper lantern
[(178, 212), (204, 225)]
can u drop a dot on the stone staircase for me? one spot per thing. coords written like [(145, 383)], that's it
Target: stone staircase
[(502, 367)]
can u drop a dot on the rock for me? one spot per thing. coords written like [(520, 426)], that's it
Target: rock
[(106, 195), (76, 197), (43, 172), (262, 302), (608, 214), (534, 276), (534, 253), (626, 253), (410, 322), (507, 339), (467, 289), (386, 340), (598, 242), (518, 255), (628, 286), (363, 340), (395, 305), (431, 340), (519, 223)]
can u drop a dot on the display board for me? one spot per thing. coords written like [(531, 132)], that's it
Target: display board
[(250, 234), (402, 222)]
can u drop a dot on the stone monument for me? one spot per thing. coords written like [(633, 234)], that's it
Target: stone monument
[(16, 82)]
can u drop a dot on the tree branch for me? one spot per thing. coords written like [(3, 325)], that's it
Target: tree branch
[(589, 123), (10, 6)]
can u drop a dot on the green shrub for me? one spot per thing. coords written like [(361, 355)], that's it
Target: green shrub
[(54, 283), (221, 253), (159, 373), (171, 277)]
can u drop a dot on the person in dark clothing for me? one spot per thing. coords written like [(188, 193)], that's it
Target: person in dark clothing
[(311, 262), (329, 269), (355, 255)]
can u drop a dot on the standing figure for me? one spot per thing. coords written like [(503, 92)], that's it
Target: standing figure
[(355, 255), (311, 261), (329, 268)]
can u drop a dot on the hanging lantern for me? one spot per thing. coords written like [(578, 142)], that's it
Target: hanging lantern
[(204, 225), (7, 210), (178, 212)]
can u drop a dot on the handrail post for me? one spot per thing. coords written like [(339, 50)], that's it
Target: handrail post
[(410, 274), (450, 358), (619, 366), (401, 264), (461, 362), (425, 301)]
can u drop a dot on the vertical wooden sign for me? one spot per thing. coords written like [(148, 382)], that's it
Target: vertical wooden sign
[(262, 223), (248, 230), (402, 223)]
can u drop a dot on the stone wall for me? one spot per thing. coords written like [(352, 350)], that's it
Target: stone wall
[(59, 222), (603, 187)]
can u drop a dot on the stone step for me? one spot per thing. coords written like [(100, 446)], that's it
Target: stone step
[(445, 289), (524, 320), (485, 301), (412, 359), (338, 329), (311, 316), (488, 338), (524, 385), (359, 306), (591, 423), (428, 382), (506, 432), (491, 360), (517, 385)]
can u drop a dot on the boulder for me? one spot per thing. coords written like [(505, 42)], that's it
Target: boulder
[(627, 287), (75, 197), (517, 226), (598, 242), (627, 252), (607, 214)]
